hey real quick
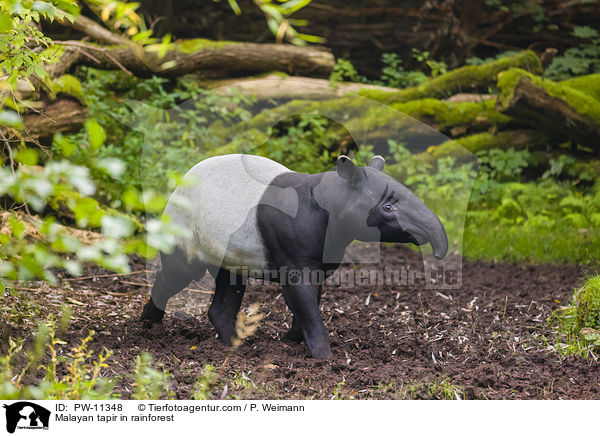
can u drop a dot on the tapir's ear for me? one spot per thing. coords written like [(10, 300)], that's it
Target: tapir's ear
[(347, 170), (377, 162)]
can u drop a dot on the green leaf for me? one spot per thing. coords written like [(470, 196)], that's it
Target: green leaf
[(95, 132), (17, 227), (234, 7), (44, 7), (10, 118), (116, 227), (5, 22), (113, 166), (73, 267), (585, 32), (27, 156)]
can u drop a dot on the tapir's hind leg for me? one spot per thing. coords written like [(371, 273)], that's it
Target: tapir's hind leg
[(176, 274), (223, 311)]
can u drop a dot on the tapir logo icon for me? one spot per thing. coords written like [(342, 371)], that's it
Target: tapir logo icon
[(26, 415)]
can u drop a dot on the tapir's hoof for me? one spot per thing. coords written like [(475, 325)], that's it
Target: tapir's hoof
[(151, 314), (321, 354), (294, 335)]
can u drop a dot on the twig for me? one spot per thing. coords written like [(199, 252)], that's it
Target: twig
[(149, 285), (422, 308), (10, 156), (102, 49), (505, 303), (108, 275)]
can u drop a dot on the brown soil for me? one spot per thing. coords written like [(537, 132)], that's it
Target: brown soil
[(487, 340)]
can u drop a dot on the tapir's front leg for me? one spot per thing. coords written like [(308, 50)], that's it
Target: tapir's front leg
[(303, 301), (294, 333)]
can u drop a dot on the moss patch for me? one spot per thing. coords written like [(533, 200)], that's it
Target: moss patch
[(589, 85), (190, 45), (67, 84), (446, 114)]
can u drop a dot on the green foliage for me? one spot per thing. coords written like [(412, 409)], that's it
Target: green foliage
[(80, 372), (587, 302), (504, 164), (393, 73), (343, 70), (553, 219), (278, 15), (150, 383), (577, 61), (121, 17), (205, 383), (436, 68), (18, 56), (482, 61), (77, 373), (32, 247), (505, 212), (519, 8), (304, 144), (20, 38), (180, 126)]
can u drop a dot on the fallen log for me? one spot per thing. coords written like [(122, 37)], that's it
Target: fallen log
[(560, 111), (63, 114), (277, 86), (208, 59)]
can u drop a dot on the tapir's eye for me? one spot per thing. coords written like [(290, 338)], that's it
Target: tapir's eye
[(388, 207)]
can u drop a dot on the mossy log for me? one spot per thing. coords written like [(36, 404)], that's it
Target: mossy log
[(417, 124), (562, 112), (58, 105), (472, 112), (466, 147), (468, 78)]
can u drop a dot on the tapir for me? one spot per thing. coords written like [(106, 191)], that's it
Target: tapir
[(249, 212)]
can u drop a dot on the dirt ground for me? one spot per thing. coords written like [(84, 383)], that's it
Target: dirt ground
[(487, 340)]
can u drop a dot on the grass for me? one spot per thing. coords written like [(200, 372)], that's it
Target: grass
[(544, 245), (442, 389)]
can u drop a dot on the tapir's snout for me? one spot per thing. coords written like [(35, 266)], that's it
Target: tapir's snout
[(438, 239), (425, 227)]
